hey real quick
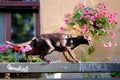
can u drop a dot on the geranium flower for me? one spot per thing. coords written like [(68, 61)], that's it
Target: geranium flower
[(16, 48), (91, 22), (115, 43), (7, 46), (91, 28), (99, 25), (62, 28), (112, 35), (84, 28), (102, 12), (22, 49), (82, 5), (104, 31), (28, 48), (2, 49), (67, 20), (104, 6), (92, 18), (25, 49), (107, 44), (97, 15), (86, 11), (67, 15)]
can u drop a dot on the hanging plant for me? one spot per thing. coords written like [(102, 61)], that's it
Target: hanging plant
[(96, 21)]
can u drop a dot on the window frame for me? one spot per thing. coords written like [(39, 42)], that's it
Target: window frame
[(12, 6)]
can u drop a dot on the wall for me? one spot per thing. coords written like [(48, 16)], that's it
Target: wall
[(52, 17)]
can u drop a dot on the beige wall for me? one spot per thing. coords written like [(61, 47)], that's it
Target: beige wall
[(52, 17)]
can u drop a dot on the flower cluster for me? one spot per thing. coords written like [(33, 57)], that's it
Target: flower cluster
[(4, 48), (97, 21), (13, 53)]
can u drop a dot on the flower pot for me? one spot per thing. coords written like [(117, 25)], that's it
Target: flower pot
[(54, 75), (115, 76)]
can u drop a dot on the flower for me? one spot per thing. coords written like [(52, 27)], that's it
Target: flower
[(86, 12), (67, 15), (82, 5), (115, 43), (62, 28), (28, 48), (16, 48), (107, 44), (2, 49), (84, 28), (25, 49), (67, 20), (112, 35)]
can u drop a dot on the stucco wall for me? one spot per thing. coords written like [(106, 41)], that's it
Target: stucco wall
[(52, 17)]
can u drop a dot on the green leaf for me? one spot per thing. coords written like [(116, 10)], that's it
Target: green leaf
[(84, 59), (91, 49)]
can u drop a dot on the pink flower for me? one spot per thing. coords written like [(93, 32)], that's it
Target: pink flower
[(102, 12), (82, 6), (7, 46), (2, 49), (99, 25), (107, 44), (67, 20), (91, 22), (111, 17), (86, 12), (104, 6), (22, 49), (104, 30), (115, 43), (28, 48), (62, 28), (84, 28), (92, 18), (67, 15), (116, 22), (97, 15), (91, 28), (81, 17), (25, 49), (87, 16), (109, 20), (112, 35)]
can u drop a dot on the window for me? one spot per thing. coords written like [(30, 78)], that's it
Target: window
[(2, 28), (22, 27), (20, 20)]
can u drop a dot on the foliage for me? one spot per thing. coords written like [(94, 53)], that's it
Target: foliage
[(115, 74), (91, 49)]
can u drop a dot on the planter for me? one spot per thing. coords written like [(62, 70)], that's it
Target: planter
[(115, 76), (53, 75)]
